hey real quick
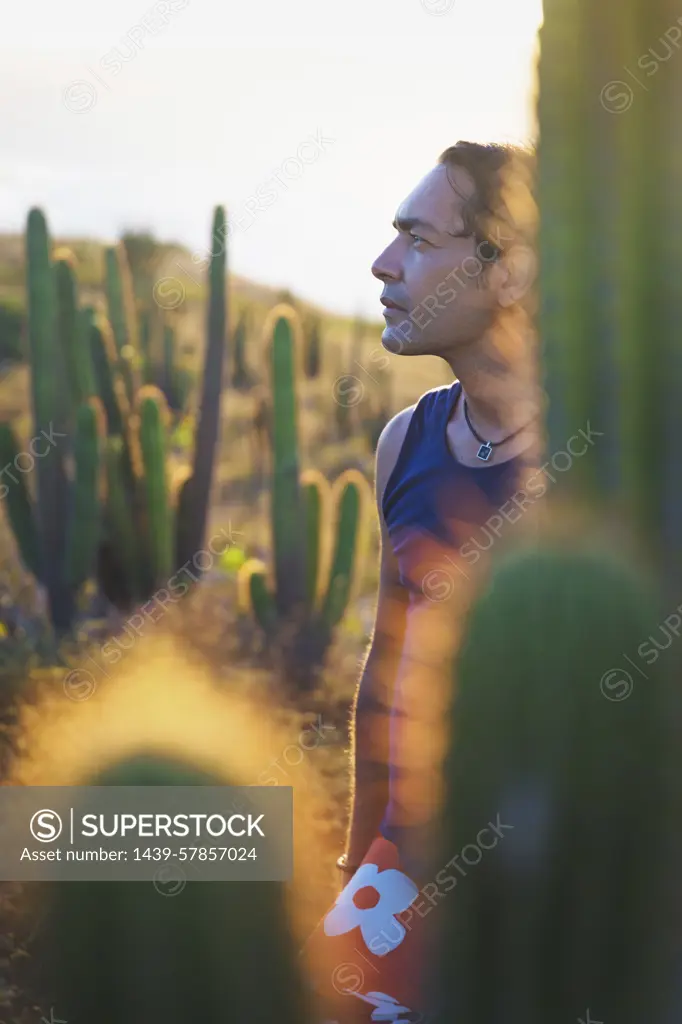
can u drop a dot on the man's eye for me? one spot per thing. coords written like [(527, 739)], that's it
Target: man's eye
[(418, 238)]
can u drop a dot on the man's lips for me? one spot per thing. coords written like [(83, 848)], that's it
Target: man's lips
[(393, 305)]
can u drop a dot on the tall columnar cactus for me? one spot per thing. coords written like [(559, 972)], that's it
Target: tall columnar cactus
[(317, 530), (241, 375), (117, 515), (153, 443), (610, 157), (155, 530), (58, 531), (72, 342), (123, 316), (143, 952), (556, 740), (195, 495), (313, 352), (176, 380)]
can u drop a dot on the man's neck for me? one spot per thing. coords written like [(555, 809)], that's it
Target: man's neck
[(499, 379)]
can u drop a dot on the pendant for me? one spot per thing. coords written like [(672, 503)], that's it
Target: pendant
[(485, 451)]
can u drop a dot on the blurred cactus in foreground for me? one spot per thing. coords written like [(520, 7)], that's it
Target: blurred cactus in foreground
[(610, 159), (317, 529), (554, 735), (140, 953)]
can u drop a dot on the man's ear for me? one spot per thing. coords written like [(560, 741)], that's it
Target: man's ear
[(517, 271)]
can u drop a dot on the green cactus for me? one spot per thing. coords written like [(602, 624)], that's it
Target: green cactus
[(146, 332), (312, 582), (169, 367), (116, 517), (313, 353), (286, 499), (19, 506), (193, 516), (157, 531), (241, 376), (84, 521), (129, 953), (72, 336), (120, 569), (153, 442), (57, 533), (554, 735), (122, 316), (610, 238), (176, 380), (110, 387)]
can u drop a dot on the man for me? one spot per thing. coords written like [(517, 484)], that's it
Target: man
[(457, 282)]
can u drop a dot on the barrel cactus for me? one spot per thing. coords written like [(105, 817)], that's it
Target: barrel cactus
[(562, 756), (317, 528), (133, 953)]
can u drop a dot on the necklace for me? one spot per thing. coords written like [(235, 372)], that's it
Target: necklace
[(486, 449)]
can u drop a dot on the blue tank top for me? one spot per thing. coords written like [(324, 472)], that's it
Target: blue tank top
[(437, 513)]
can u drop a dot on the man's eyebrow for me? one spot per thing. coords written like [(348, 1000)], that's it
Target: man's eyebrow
[(407, 223)]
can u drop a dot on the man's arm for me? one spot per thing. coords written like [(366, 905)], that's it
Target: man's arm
[(374, 695)]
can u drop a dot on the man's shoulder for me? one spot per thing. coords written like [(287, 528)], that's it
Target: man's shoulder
[(394, 432)]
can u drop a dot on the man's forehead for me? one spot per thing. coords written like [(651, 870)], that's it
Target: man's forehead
[(439, 199)]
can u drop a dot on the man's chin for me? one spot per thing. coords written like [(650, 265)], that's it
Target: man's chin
[(401, 340)]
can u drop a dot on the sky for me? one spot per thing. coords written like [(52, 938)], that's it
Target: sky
[(309, 121)]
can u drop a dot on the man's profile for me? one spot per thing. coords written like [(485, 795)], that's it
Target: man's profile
[(457, 283)]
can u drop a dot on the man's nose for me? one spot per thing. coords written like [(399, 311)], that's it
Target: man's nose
[(388, 266)]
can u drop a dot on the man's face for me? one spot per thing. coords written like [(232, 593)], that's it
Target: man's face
[(433, 272)]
